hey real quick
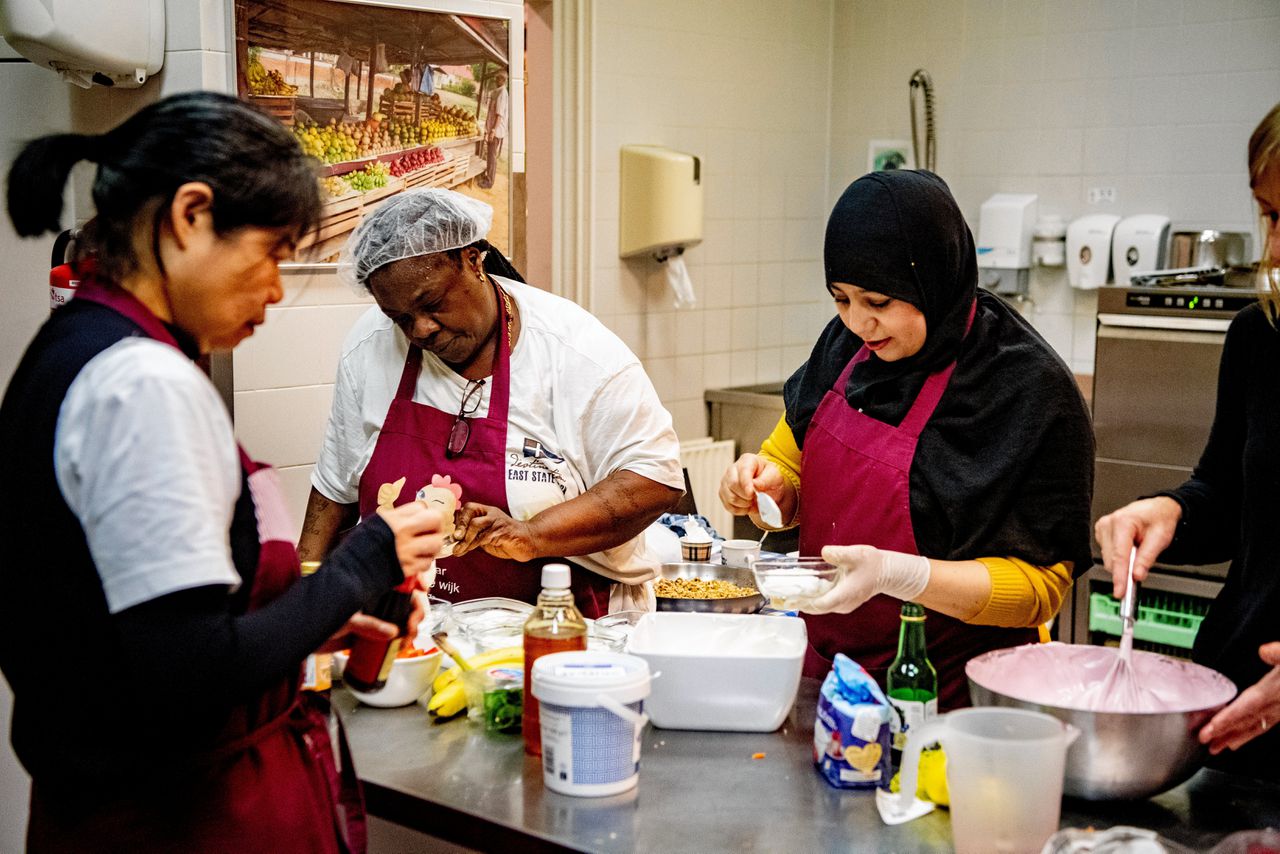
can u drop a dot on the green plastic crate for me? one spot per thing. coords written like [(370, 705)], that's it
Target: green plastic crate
[(1169, 619)]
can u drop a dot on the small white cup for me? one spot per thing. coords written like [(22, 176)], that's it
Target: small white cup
[(740, 552)]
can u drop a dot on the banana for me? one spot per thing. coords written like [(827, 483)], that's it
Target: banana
[(498, 656), (447, 703)]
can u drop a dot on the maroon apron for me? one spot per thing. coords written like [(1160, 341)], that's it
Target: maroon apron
[(412, 445), (858, 492), (272, 783)]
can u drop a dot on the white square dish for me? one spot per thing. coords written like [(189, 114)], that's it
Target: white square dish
[(721, 672)]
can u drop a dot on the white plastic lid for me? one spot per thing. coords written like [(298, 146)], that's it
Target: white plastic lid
[(555, 576), (579, 678)]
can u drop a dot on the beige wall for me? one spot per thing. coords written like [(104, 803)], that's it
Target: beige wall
[(1153, 98), (284, 377), (746, 87)]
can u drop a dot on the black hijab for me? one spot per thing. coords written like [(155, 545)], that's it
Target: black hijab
[(1005, 465), (900, 234)]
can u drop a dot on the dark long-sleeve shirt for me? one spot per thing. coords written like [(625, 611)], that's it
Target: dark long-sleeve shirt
[(1231, 511)]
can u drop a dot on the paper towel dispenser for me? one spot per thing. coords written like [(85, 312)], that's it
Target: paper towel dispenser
[(116, 43), (660, 201)]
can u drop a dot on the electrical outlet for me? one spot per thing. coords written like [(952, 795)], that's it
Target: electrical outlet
[(1102, 195)]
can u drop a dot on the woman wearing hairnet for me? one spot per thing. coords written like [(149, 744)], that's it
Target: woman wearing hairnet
[(475, 390), (933, 445)]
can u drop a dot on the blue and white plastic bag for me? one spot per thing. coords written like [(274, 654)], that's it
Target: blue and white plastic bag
[(851, 730)]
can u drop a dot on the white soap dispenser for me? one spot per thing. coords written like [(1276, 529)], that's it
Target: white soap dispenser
[(1089, 250), (1139, 245)]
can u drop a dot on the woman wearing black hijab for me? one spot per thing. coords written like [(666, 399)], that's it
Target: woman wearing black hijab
[(933, 445)]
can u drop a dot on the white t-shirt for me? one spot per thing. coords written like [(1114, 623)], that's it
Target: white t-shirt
[(581, 408), (145, 457)]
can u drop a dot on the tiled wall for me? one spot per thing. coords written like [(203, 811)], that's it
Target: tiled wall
[(284, 377), (745, 86), (1155, 98)]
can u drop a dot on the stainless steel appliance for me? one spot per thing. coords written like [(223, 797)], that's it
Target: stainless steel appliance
[(1155, 387), (1208, 247)]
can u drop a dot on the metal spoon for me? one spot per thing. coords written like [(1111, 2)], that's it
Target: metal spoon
[(770, 514)]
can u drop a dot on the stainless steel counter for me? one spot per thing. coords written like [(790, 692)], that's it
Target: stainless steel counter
[(702, 791)]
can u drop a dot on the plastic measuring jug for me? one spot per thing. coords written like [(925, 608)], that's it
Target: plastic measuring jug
[(1004, 775)]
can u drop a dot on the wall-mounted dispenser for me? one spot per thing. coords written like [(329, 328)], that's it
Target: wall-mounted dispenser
[(1049, 241), (116, 43), (1089, 250), (1004, 242), (660, 210), (1139, 245)]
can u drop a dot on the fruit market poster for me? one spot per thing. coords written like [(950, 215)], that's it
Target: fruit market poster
[(386, 99)]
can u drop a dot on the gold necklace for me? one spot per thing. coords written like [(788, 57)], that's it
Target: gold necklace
[(506, 301)]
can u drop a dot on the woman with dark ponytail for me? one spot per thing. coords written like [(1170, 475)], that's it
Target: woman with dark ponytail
[(464, 379), (138, 533)]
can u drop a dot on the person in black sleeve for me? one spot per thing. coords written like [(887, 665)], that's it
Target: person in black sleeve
[(155, 621), (1229, 507)]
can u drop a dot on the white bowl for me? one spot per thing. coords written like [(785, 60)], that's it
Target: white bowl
[(724, 672), (410, 679)]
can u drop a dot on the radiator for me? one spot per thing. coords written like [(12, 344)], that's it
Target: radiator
[(706, 461)]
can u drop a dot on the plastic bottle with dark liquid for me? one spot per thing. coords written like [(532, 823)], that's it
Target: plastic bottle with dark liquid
[(555, 625), (371, 659)]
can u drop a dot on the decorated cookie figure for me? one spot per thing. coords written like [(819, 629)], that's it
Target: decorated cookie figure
[(443, 495)]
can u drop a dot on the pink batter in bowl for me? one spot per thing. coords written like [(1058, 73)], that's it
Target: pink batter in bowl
[(1121, 752)]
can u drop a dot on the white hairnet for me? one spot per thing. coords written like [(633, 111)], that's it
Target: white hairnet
[(415, 222)]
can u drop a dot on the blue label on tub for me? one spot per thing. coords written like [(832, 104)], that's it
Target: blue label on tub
[(586, 746), (589, 671)]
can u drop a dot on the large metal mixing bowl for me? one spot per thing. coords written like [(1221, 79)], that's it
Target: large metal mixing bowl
[(1119, 755), (739, 575)]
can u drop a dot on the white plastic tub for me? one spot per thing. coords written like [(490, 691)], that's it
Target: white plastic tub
[(726, 672), (591, 707)]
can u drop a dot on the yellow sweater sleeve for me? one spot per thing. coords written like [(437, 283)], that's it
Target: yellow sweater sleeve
[(1022, 594)]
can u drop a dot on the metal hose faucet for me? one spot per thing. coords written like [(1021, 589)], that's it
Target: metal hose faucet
[(921, 80)]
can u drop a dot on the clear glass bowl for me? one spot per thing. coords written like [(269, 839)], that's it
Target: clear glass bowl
[(610, 638), (618, 625), (791, 583), (496, 636), (439, 616), (474, 616)]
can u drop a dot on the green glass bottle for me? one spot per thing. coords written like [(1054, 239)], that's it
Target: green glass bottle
[(912, 683)]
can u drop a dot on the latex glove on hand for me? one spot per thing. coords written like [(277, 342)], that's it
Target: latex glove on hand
[(868, 571)]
